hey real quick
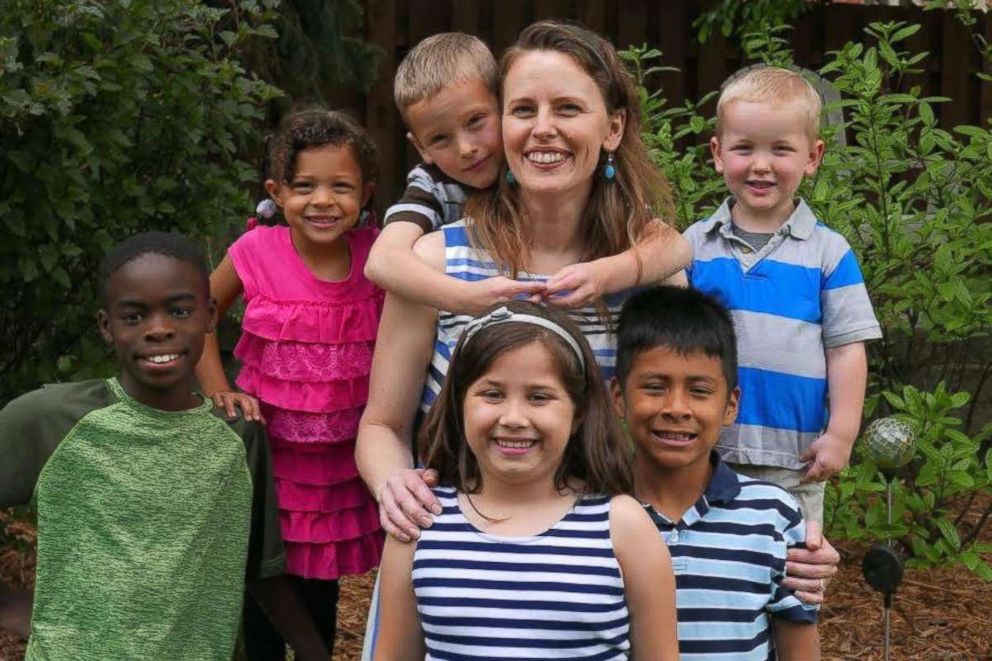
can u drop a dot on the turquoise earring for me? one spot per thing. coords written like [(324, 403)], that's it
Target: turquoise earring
[(510, 179), (609, 170)]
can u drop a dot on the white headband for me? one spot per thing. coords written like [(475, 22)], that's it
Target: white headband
[(505, 315)]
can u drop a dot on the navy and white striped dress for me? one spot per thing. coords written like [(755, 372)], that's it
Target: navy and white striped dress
[(465, 262), (556, 595)]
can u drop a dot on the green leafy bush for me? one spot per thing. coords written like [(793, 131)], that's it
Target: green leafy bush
[(915, 202), (115, 117)]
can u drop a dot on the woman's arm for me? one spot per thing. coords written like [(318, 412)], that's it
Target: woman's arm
[(648, 581), (385, 436), (225, 287), (400, 634), (796, 641)]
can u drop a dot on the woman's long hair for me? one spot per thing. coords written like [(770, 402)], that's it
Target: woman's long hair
[(618, 211), (596, 453)]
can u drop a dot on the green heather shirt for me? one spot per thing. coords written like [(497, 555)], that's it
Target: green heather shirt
[(147, 520)]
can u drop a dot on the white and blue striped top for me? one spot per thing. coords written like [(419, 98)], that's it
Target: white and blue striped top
[(556, 595), (728, 554), (465, 262), (799, 295)]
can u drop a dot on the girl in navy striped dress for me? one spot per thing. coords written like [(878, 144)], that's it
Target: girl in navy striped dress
[(536, 554)]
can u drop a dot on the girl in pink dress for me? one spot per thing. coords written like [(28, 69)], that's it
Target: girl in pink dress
[(306, 350)]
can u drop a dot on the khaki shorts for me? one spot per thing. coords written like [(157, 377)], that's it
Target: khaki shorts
[(810, 495)]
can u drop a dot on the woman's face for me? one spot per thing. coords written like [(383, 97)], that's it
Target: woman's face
[(555, 124)]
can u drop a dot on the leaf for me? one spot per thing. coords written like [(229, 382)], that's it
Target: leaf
[(905, 33), (949, 533)]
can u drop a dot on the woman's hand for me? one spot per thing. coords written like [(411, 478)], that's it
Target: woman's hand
[(230, 401), (809, 570), (406, 503)]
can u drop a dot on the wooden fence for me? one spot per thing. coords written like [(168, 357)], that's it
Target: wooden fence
[(397, 25)]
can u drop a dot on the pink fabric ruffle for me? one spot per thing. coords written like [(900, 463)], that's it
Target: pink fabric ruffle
[(330, 561), (312, 463), (305, 321), (305, 361), (329, 527), (316, 428), (299, 497), (299, 396)]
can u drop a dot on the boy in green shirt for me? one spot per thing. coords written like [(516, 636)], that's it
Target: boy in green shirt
[(152, 509)]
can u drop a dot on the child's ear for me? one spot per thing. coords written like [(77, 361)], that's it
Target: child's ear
[(420, 149), (274, 189), (616, 394), (103, 323), (715, 151), (367, 191), (814, 157), (617, 122), (733, 405), (212, 311)]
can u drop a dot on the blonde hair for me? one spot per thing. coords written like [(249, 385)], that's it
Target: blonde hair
[(619, 211), (441, 60), (772, 85)]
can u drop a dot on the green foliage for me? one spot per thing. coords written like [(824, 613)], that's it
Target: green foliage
[(115, 117), (319, 45), (931, 514), (915, 202), (739, 17)]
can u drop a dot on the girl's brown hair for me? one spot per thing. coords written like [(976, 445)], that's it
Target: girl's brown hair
[(596, 452), (618, 211)]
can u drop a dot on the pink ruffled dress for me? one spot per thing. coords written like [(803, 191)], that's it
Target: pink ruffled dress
[(306, 352)]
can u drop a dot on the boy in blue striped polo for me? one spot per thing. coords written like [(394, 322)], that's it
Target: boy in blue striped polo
[(728, 535), (793, 286)]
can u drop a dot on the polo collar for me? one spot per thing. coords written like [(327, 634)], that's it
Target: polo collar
[(800, 224), (724, 485)]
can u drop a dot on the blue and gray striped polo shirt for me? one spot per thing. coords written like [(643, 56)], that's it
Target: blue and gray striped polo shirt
[(728, 552), (801, 294)]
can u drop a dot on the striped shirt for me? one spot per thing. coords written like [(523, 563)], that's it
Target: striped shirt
[(797, 296), (558, 594), (431, 199), (463, 261), (728, 553)]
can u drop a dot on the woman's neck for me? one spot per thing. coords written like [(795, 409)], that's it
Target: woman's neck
[(555, 229)]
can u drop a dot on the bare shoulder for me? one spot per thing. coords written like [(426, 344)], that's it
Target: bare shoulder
[(627, 516)]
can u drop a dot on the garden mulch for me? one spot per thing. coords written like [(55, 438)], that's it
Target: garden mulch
[(939, 614)]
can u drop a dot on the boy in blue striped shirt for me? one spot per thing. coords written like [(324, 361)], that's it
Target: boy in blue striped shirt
[(728, 535), (793, 286)]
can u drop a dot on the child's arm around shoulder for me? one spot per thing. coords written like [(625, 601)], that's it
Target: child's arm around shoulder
[(401, 636), (648, 580), (225, 287), (658, 256), (395, 265)]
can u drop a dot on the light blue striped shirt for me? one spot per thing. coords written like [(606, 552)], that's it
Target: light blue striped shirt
[(728, 553), (465, 262), (800, 294), (556, 595)]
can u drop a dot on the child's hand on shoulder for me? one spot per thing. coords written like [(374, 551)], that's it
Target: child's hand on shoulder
[(232, 401), (576, 285), (485, 293), (827, 456)]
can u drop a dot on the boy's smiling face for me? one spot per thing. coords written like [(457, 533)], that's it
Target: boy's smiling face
[(675, 406), (457, 129), (763, 152), (155, 314)]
